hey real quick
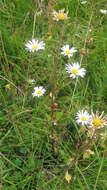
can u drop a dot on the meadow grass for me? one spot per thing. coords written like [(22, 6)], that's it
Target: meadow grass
[(34, 153)]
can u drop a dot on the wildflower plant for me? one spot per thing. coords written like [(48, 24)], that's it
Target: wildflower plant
[(75, 70), (67, 51), (38, 91), (34, 45), (83, 117), (51, 134)]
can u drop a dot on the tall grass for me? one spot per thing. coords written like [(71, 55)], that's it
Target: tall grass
[(39, 137)]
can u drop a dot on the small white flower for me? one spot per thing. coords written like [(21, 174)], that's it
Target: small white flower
[(83, 2), (83, 117), (60, 15), (67, 51), (75, 70), (34, 45), (38, 91), (103, 11)]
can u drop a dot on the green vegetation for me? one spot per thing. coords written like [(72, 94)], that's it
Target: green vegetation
[(35, 154)]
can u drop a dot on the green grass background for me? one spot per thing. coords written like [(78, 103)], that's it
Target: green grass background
[(26, 159)]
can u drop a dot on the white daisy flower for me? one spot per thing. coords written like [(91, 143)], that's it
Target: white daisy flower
[(34, 45), (103, 11), (75, 70), (83, 2), (83, 117), (67, 51), (60, 15), (38, 91)]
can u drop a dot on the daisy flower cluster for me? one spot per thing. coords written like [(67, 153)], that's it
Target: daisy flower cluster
[(74, 69), (35, 45), (92, 122)]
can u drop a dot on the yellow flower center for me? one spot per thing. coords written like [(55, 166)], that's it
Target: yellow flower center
[(61, 16), (68, 52), (75, 72), (83, 118), (97, 122), (38, 92), (34, 46)]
